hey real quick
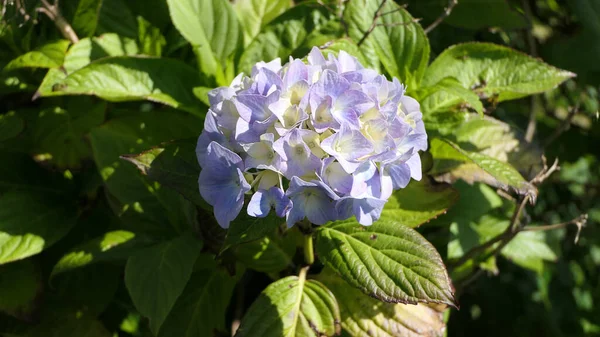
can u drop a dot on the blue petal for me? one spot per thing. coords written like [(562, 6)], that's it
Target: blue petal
[(259, 205), (366, 210)]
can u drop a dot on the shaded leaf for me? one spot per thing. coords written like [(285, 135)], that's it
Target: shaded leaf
[(365, 316), (284, 36), (494, 71), (246, 228), (24, 232), (116, 17), (419, 202), (20, 285), (386, 260), (399, 44), (201, 308), (268, 254), (174, 165), (112, 245), (163, 271), (254, 14), (496, 173), (292, 306), (10, 126), (445, 95), (85, 18), (212, 28)]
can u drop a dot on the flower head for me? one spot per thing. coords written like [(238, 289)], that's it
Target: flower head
[(321, 140)]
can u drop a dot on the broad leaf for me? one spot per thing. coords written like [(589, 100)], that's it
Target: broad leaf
[(20, 285), (21, 173), (112, 245), (268, 254), (173, 165), (246, 228), (254, 14), (85, 18), (47, 56), (387, 260), (529, 250), (495, 172), (116, 17), (90, 289), (471, 14), (212, 28), (284, 36), (84, 52), (494, 71), (60, 134), (135, 78), (397, 42), (62, 322), (162, 271), (150, 38), (133, 194), (419, 202), (10, 125), (292, 306), (447, 94), (24, 232), (201, 308), (366, 316)]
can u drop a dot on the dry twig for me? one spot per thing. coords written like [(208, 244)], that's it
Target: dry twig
[(444, 15)]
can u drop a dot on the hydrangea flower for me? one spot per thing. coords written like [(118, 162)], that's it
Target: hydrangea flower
[(322, 140)]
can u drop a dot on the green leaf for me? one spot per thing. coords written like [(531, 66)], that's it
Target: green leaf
[(10, 126), (135, 78), (173, 165), (268, 254), (495, 172), (419, 202), (445, 95), (398, 43), (84, 52), (284, 36), (346, 45), (292, 306), (529, 250), (60, 133), (201, 308), (131, 192), (150, 38), (471, 14), (246, 228), (212, 28), (30, 223), (255, 14), (90, 289), (112, 245), (20, 285), (116, 17), (85, 19), (61, 324), (156, 277), (494, 71), (386, 260), (21, 173), (49, 55), (366, 316)]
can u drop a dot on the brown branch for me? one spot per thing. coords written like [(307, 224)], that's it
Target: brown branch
[(563, 126), (373, 24), (444, 15), (579, 221), (53, 12)]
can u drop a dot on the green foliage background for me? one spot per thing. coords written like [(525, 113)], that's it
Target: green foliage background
[(103, 231)]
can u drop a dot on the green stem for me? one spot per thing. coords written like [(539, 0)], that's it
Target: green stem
[(309, 255)]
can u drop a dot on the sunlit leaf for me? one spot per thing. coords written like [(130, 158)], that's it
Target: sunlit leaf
[(386, 260)]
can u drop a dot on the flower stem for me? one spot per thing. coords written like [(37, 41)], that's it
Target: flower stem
[(309, 255)]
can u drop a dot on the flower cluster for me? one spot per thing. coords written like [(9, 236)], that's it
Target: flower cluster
[(322, 140)]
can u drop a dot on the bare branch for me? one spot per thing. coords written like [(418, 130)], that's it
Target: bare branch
[(545, 172), (579, 221), (373, 24), (53, 12), (563, 126), (444, 15)]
